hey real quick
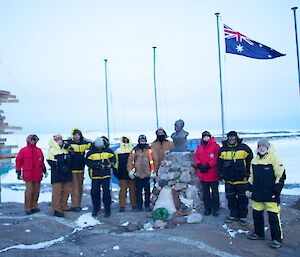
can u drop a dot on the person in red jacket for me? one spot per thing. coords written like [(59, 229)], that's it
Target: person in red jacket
[(30, 166), (205, 160)]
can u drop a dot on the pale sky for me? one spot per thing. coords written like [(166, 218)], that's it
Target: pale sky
[(52, 56)]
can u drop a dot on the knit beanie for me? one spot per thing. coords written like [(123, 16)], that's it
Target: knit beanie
[(142, 137), (99, 142), (263, 141), (232, 134), (206, 133)]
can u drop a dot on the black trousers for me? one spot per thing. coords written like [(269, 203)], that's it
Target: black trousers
[(142, 184), (273, 210), (96, 194), (211, 195), (237, 200)]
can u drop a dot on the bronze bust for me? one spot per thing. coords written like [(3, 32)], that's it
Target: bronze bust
[(179, 137)]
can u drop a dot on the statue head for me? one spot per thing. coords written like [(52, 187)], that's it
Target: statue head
[(179, 124)]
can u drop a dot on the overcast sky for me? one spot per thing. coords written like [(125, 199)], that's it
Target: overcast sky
[(52, 56)]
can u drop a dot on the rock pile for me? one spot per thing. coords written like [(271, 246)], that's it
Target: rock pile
[(178, 176)]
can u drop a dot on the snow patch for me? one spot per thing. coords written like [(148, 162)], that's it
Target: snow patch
[(86, 220), (40, 245)]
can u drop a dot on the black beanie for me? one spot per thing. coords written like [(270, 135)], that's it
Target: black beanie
[(232, 134), (206, 133)]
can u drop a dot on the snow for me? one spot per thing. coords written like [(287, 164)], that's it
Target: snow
[(86, 220), (116, 247), (40, 245)]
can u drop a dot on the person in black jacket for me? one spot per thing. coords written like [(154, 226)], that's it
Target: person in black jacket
[(121, 173), (61, 176), (234, 167), (100, 160)]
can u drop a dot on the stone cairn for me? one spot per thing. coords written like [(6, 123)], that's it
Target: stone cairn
[(177, 171)]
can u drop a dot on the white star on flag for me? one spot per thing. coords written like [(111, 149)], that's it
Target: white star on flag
[(239, 48)]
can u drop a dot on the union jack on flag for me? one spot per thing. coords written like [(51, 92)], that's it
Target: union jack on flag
[(237, 43)]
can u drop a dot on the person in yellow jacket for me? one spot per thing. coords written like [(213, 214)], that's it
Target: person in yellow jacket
[(161, 145), (266, 182), (61, 175), (78, 145), (121, 174), (141, 164)]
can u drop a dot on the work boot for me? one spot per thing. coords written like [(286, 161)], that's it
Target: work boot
[(59, 214), (253, 236), (230, 219), (75, 209), (94, 213), (138, 209), (244, 221), (35, 210), (28, 212), (107, 214), (122, 209), (207, 212), (275, 244), (215, 213)]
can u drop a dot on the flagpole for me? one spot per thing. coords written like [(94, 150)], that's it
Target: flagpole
[(106, 90), (154, 81), (297, 48), (220, 73)]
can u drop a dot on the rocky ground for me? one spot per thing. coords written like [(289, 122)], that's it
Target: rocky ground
[(44, 235)]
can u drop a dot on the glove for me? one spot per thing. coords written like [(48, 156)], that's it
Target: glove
[(131, 174), (98, 165), (205, 168), (45, 174), (153, 175), (199, 166), (248, 194), (70, 149), (19, 175)]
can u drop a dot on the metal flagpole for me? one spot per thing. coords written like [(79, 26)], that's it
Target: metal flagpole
[(220, 73), (297, 49), (0, 186), (154, 80), (106, 89)]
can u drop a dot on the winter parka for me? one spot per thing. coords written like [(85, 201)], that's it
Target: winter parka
[(234, 162), (122, 154), (160, 148), (100, 162), (77, 151), (30, 160), (267, 177), (60, 163), (207, 154), (139, 161)]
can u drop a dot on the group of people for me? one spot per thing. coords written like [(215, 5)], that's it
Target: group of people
[(261, 177)]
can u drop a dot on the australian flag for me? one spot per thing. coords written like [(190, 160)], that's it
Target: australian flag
[(237, 43)]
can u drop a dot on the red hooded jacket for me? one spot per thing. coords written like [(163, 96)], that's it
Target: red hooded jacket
[(207, 154), (30, 161)]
